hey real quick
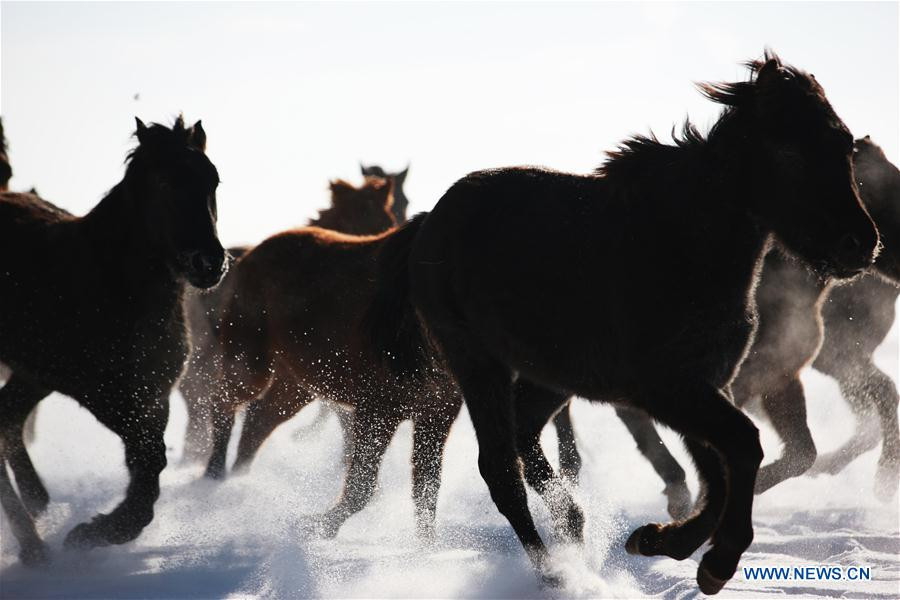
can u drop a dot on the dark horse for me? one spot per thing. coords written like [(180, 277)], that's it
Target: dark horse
[(291, 332), (91, 307), (401, 202), (5, 168), (803, 320), (363, 210), (633, 285)]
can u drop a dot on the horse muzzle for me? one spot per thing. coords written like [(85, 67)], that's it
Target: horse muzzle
[(204, 269)]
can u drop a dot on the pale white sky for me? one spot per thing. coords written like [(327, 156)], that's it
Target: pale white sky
[(292, 94)]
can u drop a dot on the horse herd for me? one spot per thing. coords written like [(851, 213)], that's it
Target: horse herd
[(679, 282)]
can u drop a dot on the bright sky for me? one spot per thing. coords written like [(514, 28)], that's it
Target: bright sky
[(293, 94)]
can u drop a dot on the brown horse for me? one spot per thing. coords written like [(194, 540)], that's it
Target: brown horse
[(292, 332), (363, 210), (634, 285), (401, 202), (91, 307), (800, 313)]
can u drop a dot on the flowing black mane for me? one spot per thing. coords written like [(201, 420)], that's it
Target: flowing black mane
[(740, 99)]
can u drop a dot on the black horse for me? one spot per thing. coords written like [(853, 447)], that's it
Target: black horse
[(5, 168), (92, 307), (632, 285), (804, 320)]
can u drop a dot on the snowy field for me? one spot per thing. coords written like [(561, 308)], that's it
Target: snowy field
[(250, 537)]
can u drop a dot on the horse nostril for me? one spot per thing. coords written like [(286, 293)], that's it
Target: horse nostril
[(202, 262)]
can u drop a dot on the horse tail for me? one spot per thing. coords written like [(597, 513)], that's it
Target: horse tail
[(398, 339)]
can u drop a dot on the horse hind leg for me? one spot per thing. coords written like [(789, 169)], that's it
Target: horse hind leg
[(714, 429), (786, 410), (651, 446), (32, 550), (430, 432), (17, 397), (487, 387), (23, 398), (534, 405), (569, 457)]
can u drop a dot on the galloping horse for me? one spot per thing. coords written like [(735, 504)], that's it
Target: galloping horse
[(805, 320), (632, 285), (363, 210), (92, 307), (292, 331)]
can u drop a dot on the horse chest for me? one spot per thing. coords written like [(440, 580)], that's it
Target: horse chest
[(78, 344)]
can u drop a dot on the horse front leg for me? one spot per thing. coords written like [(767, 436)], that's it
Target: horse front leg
[(725, 446), (786, 410), (141, 430), (873, 398), (281, 402), (374, 426)]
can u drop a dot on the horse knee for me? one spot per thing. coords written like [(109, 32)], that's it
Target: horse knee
[(743, 449), (504, 482)]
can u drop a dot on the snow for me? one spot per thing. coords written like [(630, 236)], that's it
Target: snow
[(252, 536)]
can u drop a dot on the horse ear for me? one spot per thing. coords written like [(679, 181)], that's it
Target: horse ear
[(198, 137), (339, 191), (141, 131), (384, 192), (362, 169), (769, 74), (401, 176)]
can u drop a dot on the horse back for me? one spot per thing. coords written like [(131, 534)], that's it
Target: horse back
[(598, 283)]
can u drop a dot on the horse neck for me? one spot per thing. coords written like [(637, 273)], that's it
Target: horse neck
[(114, 230)]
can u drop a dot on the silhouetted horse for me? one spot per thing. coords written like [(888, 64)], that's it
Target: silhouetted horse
[(633, 285), (401, 202), (91, 307), (364, 210), (793, 306), (5, 168), (857, 318), (291, 332)]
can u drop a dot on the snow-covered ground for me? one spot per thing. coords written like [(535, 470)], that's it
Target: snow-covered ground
[(251, 536)]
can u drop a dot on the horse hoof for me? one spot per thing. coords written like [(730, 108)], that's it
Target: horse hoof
[(551, 580), (215, 473), (83, 537), (708, 583), (327, 527), (36, 555), (425, 534), (887, 479), (645, 541), (35, 503), (679, 500)]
